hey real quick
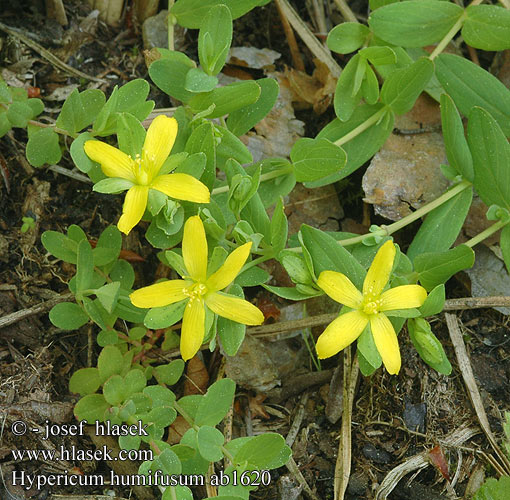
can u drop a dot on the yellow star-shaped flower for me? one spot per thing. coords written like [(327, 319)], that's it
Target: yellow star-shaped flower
[(369, 307), (200, 289), (143, 171)]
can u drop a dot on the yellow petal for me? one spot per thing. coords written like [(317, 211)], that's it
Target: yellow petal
[(230, 268), (194, 249), (135, 203), (193, 328), (182, 187), (234, 308), (114, 163), (402, 297), (340, 288), (158, 143), (386, 342), (380, 269), (340, 333), (160, 294)]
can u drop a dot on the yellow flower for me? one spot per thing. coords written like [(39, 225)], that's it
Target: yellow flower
[(142, 171), (368, 306), (201, 289)]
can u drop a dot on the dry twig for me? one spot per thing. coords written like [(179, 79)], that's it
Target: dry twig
[(469, 379)]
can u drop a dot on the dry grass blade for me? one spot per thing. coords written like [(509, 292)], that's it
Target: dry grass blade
[(420, 461), (343, 462), (48, 55), (311, 41), (469, 380)]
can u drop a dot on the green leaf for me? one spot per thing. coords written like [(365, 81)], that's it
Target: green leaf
[(85, 381), (487, 27), (414, 23), (215, 403), (491, 158), (442, 225), (347, 92), (401, 89), (214, 39), (290, 293), (434, 302), (263, 452), (84, 266), (224, 100), (314, 159), (108, 295), (160, 396), (295, 266), (80, 158), (92, 407), (230, 147), (114, 390), (170, 373), (457, 150), (197, 81), (435, 268), (191, 13), (231, 333), (360, 148), (43, 147), (253, 276), (80, 110), (169, 461), (279, 227), (210, 440), (367, 348), (112, 185), (504, 243), (107, 247), (347, 37), (243, 119), (60, 246), (428, 346), (130, 134), (379, 56), (129, 99), (469, 85), (110, 362), (169, 74), (202, 140), (19, 113), (163, 317), (68, 316), (123, 271), (328, 255), (494, 489)]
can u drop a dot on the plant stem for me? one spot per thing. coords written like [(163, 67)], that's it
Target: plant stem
[(170, 26), (392, 228), (486, 233), (362, 127), (264, 177), (453, 31), (256, 261)]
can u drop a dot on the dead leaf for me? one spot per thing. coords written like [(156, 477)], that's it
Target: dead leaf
[(197, 378), (437, 459), (316, 90), (256, 407), (251, 57)]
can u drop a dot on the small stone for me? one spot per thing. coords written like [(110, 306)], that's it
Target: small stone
[(414, 416), (155, 31), (376, 455)]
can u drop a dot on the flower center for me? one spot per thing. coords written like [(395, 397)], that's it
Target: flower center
[(195, 292), (141, 171), (370, 304)]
